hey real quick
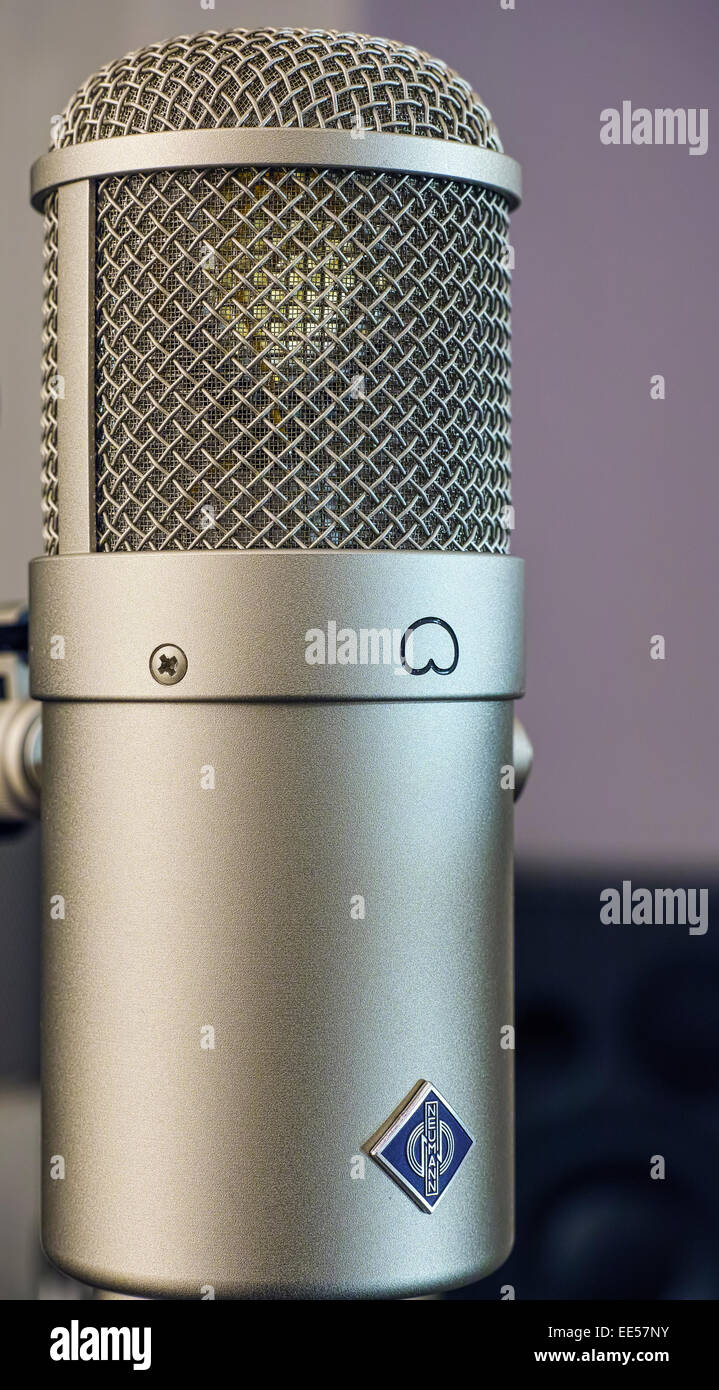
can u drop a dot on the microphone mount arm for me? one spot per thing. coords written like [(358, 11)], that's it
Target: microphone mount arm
[(20, 722)]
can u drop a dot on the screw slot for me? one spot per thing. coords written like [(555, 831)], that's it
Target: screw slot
[(168, 664)]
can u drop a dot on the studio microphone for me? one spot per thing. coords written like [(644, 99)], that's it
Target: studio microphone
[(277, 637)]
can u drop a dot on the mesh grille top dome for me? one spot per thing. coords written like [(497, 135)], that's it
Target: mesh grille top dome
[(277, 77), (304, 358)]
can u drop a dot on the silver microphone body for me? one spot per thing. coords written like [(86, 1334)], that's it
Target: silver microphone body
[(277, 638)]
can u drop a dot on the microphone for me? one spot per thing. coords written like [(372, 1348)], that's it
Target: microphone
[(277, 636)]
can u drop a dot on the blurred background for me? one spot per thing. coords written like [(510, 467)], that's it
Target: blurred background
[(616, 496)]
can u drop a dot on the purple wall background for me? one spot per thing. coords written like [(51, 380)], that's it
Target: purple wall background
[(616, 495)]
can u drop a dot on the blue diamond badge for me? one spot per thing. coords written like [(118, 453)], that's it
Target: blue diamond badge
[(424, 1146)]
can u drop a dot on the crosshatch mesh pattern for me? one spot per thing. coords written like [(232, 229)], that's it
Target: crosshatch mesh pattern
[(313, 359), (277, 77), (304, 359), (50, 383)]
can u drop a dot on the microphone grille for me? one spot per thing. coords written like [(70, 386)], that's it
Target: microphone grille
[(292, 358), (277, 77)]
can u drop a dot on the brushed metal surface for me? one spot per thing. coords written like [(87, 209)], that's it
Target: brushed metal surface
[(279, 147), (230, 907), (241, 618)]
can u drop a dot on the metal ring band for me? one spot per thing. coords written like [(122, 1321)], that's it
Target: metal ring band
[(265, 147), (243, 621)]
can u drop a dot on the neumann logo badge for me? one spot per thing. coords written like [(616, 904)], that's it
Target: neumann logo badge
[(424, 1146), (430, 1148)]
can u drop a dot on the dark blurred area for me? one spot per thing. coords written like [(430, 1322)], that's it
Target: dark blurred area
[(617, 1064)]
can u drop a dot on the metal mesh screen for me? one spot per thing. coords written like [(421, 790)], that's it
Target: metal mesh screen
[(307, 359), (277, 77), (50, 383), (290, 358)]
